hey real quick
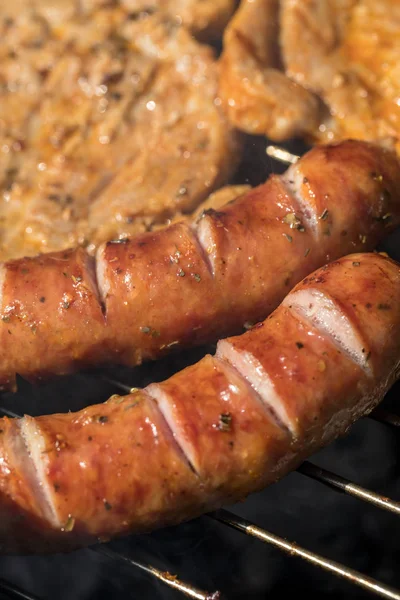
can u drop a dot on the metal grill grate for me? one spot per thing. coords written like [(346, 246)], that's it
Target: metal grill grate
[(332, 480)]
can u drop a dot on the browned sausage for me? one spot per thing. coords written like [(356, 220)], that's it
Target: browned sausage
[(214, 432), (192, 283)]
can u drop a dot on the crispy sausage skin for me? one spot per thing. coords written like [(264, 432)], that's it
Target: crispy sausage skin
[(191, 283), (214, 432)]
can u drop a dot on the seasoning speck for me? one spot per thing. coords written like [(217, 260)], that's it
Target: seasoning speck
[(324, 214), (107, 505), (100, 419), (181, 273), (69, 525), (150, 331), (288, 237), (377, 177), (356, 263), (384, 306), (76, 279), (60, 443), (196, 277), (385, 218), (131, 405), (321, 366), (299, 345), (293, 221), (225, 422)]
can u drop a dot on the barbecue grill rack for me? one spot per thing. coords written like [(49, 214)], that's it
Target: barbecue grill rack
[(115, 382)]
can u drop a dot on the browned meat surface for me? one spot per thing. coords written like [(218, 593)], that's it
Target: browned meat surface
[(257, 96), (348, 52), (218, 199), (205, 18), (342, 56), (215, 432), (108, 124)]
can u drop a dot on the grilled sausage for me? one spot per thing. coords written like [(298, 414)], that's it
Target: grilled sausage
[(62, 311), (214, 432)]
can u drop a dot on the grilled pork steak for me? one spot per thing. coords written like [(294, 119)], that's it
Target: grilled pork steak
[(257, 96), (108, 124), (325, 69)]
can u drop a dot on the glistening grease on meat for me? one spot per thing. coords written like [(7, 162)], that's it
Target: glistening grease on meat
[(214, 432), (204, 18), (321, 69), (109, 123), (256, 94), (230, 267)]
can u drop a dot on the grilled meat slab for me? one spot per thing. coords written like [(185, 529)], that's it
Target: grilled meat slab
[(108, 124), (326, 69)]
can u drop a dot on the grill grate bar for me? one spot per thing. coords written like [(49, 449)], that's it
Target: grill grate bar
[(15, 592), (171, 580), (121, 386), (281, 155), (342, 484), (387, 418), (9, 413), (357, 578)]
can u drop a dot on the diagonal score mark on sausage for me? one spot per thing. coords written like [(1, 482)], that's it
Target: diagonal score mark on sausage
[(203, 241), (293, 180), (330, 318), (35, 462)]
